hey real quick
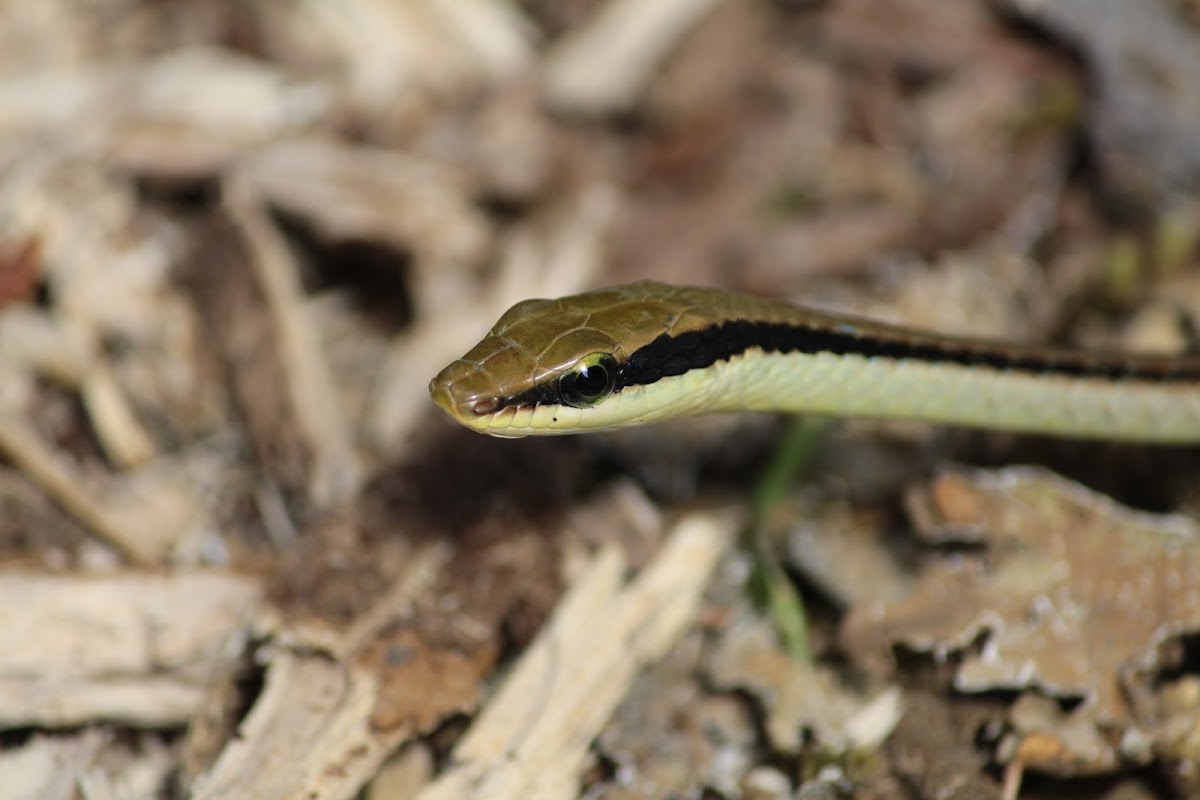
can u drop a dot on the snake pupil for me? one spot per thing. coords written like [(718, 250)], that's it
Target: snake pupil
[(589, 382)]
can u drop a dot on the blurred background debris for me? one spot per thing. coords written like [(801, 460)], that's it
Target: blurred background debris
[(242, 554)]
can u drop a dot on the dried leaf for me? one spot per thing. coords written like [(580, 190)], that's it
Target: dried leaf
[(1074, 597), (798, 696), (1144, 104)]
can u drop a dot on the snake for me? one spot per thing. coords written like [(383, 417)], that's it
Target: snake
[(648, 351)]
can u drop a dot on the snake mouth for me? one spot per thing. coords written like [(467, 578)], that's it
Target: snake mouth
[(467, 408), (449, 390)]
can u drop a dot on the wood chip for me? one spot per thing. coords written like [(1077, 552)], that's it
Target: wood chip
[(137, 648), (44, 465), (531, 741), (603, 67), (312, 731), (337, 469)]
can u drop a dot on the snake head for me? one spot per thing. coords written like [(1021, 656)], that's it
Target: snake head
[(595, 361), (539, 356)]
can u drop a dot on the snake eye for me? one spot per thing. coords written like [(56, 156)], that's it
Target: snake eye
[(588, 382)]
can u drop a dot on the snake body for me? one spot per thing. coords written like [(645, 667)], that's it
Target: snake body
[(642, 352)]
